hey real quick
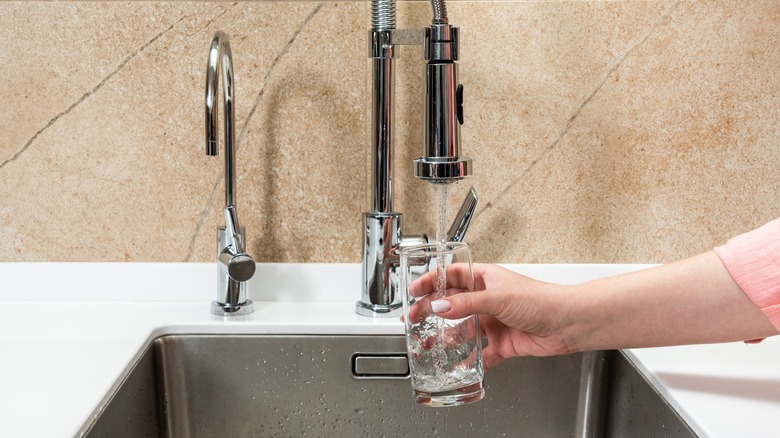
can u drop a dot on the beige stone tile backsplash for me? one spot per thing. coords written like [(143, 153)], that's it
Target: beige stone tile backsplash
[(620, 131)]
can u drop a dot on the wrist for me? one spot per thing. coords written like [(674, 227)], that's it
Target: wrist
[(580, 318), (564, 315)]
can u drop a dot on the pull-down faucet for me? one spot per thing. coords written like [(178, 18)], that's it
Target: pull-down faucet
[(440, 163), (235, 267)]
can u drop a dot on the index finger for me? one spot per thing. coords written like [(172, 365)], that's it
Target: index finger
[(459, 278)]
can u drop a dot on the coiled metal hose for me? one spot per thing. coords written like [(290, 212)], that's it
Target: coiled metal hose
[(439, 12), (383, 13)]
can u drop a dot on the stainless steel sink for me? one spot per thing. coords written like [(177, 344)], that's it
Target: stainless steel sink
[(258, 386)]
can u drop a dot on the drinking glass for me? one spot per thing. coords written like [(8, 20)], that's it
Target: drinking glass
[(445, 355)]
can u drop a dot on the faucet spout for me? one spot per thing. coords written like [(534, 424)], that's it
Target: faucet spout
[(220, 53), (235, 267)]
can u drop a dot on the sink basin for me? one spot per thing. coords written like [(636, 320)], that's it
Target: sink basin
[(272, 385)]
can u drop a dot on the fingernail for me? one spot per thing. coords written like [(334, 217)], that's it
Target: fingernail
[(441, 306)]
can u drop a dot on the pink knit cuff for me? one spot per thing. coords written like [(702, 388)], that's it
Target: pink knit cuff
[(753, 260)]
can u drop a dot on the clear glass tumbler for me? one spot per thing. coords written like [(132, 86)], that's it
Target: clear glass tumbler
[(445, 356)]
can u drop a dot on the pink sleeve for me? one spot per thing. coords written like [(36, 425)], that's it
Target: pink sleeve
[(753, 260)]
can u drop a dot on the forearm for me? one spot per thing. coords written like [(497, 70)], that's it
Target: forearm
[(688, 302)]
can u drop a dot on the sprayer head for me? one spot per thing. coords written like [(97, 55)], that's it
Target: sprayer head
[(441, 162)]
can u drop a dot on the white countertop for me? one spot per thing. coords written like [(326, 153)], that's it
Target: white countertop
[(70, 331)]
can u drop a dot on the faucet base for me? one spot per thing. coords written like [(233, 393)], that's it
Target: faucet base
[(378, 310), (224, 309), (381, 243)]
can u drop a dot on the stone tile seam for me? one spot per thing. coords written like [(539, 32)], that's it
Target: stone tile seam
[(255, 105), (213, 19), (89, 93), (575, 114)]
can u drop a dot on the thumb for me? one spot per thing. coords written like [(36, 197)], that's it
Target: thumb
[(465, 304)]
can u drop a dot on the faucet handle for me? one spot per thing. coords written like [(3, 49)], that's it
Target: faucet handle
[(460, 225), (239, 265), (234, 268)]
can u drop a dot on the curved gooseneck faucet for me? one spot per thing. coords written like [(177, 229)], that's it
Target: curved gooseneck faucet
[(235, 267)]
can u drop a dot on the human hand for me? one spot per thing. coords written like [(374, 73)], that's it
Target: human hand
[(518, 315)]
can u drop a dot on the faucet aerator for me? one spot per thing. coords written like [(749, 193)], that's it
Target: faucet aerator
[(442, 170)]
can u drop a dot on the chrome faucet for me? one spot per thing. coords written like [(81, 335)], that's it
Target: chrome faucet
[(234, 266), (440, 163)]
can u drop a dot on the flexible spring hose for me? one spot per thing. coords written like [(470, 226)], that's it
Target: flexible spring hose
[(383, 13), (439, 12)]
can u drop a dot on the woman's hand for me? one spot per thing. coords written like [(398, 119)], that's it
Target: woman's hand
[(518, 315), (692, 301)]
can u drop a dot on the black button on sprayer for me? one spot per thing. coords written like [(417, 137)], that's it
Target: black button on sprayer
[(459, 102)]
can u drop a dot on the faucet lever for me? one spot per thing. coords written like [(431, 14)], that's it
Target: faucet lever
[(239, 265), (460, 225), (231, 227)]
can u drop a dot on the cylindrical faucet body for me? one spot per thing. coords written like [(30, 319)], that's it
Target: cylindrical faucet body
[(382, 56), (381, 225)]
